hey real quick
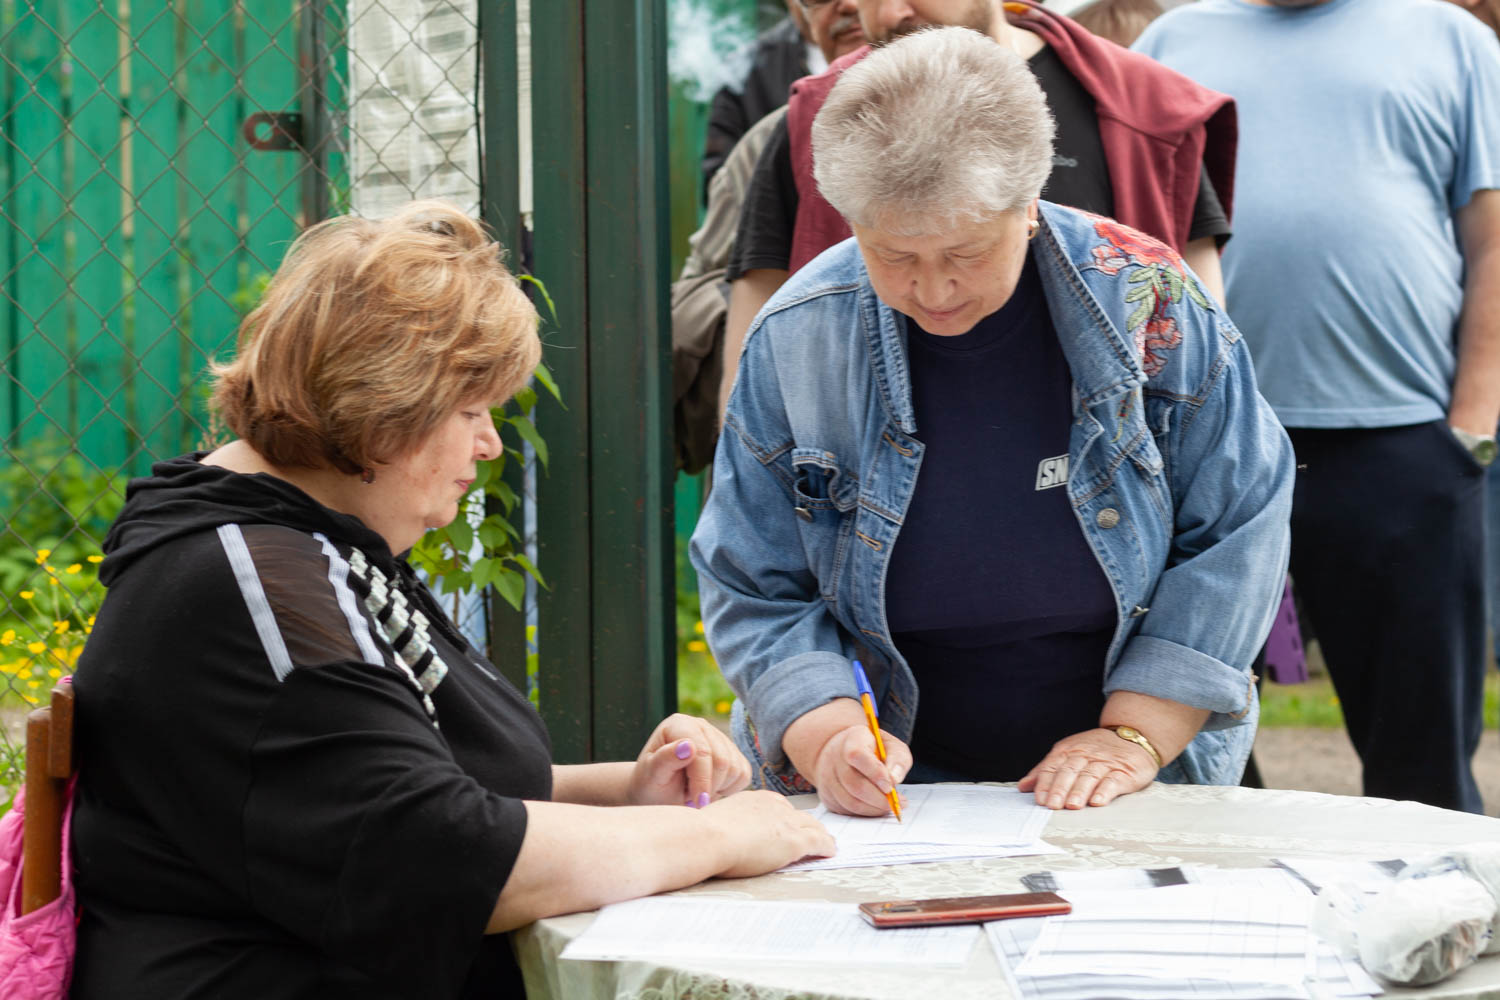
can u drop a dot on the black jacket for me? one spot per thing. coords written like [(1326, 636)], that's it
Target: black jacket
[(779, 59)]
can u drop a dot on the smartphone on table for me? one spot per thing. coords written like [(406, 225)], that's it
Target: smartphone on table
[(963, 909)]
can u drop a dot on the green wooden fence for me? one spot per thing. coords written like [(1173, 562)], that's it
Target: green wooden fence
[(135, 217)]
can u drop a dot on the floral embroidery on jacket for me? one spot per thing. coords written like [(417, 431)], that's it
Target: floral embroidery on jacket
[(786, 775), (1160, 280)]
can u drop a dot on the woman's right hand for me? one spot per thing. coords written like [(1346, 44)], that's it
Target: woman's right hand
[(832, 747), (762, 832)]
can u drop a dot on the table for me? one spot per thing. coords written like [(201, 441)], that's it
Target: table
[(1223, 827)]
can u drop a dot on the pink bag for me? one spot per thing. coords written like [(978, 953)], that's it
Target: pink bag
[(36, 951)]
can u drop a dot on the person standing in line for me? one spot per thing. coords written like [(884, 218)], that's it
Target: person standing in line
[(1135, 142), (1366, 275), (813, 34)]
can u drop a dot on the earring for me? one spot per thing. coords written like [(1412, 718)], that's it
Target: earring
[(367, 476), (1032, 228)]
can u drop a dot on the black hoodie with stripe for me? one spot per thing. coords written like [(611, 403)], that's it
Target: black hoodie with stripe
[(290, 786)]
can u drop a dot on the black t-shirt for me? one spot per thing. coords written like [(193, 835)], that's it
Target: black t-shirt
[(1080, 174), (265, 806), (1080, 177), (993, 594)]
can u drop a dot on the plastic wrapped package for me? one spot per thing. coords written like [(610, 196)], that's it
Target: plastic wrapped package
[(1421, 930), (1481, 862)]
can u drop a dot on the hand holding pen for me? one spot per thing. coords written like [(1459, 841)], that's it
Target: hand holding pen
[(834, 747)]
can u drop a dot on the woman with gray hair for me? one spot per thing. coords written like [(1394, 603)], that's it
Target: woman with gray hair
[(1008, 455)]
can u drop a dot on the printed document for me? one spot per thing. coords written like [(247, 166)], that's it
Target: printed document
[(946, 814), (688, 928)]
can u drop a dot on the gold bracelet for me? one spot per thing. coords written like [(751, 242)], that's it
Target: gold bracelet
[(1133, 735)]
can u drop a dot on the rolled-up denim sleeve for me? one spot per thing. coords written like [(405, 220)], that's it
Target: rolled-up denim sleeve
[(775, 639), (1231, 476)]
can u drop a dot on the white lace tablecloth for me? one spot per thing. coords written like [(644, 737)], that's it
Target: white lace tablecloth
[(1163, 825)]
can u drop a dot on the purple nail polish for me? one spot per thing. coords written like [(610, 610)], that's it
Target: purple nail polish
[(684, 749), (702, 799)]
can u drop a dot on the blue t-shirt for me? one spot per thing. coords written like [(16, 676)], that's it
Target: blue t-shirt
[(993, 595), (1364, 125)]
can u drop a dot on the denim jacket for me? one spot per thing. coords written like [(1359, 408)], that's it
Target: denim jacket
[(1179, 473)]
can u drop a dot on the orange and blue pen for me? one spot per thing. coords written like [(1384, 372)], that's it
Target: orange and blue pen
[(867, 700)]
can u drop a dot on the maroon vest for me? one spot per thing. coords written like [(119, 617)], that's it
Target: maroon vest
[(1155, 124)]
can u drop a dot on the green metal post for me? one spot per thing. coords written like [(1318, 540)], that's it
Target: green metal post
[(500, 206), (608, 657), (630, 341), (563, 504)]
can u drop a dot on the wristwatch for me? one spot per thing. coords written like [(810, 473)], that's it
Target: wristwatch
[(1134, 736), (1481, 446)]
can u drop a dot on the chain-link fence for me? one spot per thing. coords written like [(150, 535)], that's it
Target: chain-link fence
[(157, 159)]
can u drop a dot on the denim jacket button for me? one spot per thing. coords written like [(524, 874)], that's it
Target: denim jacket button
[(1107, 518), (803, 513)]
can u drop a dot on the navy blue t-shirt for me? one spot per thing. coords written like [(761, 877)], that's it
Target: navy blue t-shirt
[(993, 594)]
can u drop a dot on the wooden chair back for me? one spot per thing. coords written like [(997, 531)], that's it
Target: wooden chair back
[(49, 766)]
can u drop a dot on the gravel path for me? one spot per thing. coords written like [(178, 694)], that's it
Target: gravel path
[(1322, 760)]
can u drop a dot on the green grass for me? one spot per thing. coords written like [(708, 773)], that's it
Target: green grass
[(1314, 704)]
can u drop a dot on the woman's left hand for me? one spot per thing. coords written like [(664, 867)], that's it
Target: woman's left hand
[(687, 762), (1089, 768)]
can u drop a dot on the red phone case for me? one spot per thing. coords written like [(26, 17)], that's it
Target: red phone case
[(963, 909)]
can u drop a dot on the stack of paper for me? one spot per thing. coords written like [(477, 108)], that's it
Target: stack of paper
[(699, 928), (938, 823), (1094, 880), (1012, 939), (1179, 932), (1365, 876)]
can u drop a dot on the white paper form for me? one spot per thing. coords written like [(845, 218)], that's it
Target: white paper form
[(700, 928), (946, 814), (1012, 939), (1264, 879), (1334, 975), (1182, 932), (873, 855), (1368, 876)]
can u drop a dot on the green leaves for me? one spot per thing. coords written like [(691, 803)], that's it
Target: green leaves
[(527, 430), (462, 555)]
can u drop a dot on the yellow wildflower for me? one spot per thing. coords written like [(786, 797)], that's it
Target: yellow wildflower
[(27, 595), (722, 706), (698, 627), (23, 673), (31, 699), (41, 555), (54, 673), (36, 647), (7, 637), (33, 684), (90, 622), (697, 646), (53, 580), (75, 568), (60, 626), (96, 559)]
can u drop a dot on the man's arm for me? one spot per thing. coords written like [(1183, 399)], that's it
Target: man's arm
[(1476, 386), (1202, 255), (746, 295)]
